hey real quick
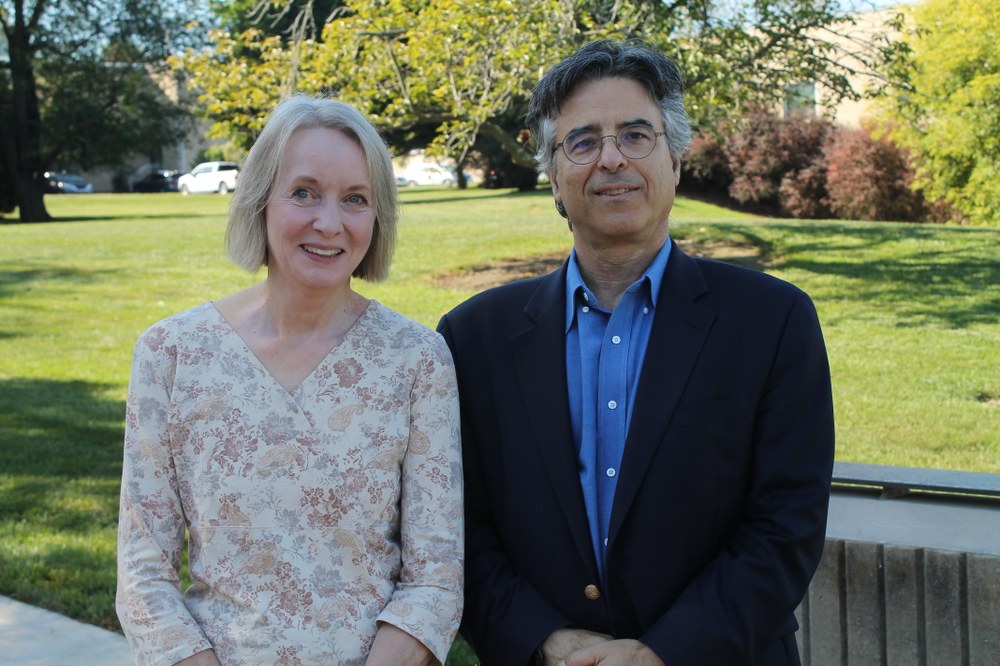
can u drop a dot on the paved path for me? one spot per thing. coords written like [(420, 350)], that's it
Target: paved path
[(31, 636)]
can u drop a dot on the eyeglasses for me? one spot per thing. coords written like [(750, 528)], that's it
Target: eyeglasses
[(634, 141)]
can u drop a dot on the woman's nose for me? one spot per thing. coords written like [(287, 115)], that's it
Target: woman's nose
[(328, 219)]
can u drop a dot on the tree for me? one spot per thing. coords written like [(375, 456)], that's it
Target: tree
[(75, 87), (467, 66), (942, 103)]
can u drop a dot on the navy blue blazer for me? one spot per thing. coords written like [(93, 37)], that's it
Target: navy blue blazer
[(719, 516)]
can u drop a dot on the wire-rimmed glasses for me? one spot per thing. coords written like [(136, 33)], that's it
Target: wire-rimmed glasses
[(634, 141)]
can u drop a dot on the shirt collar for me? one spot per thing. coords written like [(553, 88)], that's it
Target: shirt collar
[(652, 278)]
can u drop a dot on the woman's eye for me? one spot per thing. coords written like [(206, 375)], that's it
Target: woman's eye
[(300, 193), (356, 200)]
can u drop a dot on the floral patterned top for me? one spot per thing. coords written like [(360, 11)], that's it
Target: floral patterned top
[(312, 514)]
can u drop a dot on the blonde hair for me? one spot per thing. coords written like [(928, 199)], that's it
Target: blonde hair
[(246, 232)]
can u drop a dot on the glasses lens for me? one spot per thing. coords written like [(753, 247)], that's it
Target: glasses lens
[(582, 147), (636, 141)]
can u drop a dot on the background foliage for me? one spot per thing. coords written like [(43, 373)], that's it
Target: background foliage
[(942, 104), (804, 166), (78, 88), (465, 68)]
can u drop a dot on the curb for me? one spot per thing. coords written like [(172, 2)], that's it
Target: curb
[(31, 636)]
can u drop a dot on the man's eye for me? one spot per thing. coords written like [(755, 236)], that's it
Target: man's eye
[(581, 144), (636, 135)]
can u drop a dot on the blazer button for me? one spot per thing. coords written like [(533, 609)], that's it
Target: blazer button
[(592, 592)]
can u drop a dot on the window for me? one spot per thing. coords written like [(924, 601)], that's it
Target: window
[(800, 98)]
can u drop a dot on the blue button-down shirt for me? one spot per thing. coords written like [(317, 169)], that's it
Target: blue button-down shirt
[(604, 354)]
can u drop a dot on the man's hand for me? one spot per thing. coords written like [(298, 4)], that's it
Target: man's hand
[(395, 647), (561, 643), (614, 653)]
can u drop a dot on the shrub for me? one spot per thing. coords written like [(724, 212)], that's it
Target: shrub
[(770, 150), (803, 193), (806, 167), (870, 179), (705, 166)]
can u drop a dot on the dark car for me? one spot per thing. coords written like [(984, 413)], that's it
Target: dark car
[(158, 180), (66, 183)]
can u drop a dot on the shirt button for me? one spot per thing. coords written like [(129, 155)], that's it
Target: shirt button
[(645, 311), (585, 308), (612, 404), (592, 592), (586, 297), (616, 339), (611, 471)]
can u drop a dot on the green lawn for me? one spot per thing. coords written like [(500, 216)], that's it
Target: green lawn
[(911, 315)]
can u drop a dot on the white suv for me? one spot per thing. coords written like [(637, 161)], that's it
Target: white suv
[(218, 177)]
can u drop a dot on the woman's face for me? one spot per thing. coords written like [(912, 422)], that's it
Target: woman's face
[(321, 214)]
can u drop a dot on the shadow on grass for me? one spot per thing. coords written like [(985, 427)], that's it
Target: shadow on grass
[(132, 217), (123, 217), (481, 193), (9, 279), (59, 429), (942, 283), (60, 470)]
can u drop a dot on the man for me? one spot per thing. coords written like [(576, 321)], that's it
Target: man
[(648, 437)]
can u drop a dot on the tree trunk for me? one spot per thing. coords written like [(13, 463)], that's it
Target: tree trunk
[(25, 131), (31, 201), (518, 154)]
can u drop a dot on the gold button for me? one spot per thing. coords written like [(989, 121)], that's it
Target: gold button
[(592, 593)]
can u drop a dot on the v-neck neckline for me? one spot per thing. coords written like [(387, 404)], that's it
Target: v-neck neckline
[(293, 392)]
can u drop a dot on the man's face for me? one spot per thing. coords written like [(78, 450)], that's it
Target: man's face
[(614, 201)]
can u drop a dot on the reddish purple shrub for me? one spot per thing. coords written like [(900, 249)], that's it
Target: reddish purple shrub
[(869, 179), (803, 193), (705, 165), (769, 151)]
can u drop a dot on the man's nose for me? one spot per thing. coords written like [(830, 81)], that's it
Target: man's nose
[(613, 157)]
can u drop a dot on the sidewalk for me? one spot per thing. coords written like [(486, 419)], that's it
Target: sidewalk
[(31, 636)]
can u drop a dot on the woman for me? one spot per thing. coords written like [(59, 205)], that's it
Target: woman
[(305, 437)]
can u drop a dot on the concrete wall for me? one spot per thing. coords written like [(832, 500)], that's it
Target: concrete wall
[(907, 578)]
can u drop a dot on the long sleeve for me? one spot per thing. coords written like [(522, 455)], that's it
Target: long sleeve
[(737, 605), (427, 600), (150, 606), (506, 616)]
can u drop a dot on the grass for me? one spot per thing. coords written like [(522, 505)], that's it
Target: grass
[(911, 315)]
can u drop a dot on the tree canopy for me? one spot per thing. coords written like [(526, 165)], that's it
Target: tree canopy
[(466, 67), (77, 87), (943, 103)]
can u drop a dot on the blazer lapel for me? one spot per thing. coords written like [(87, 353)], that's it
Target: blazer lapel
[(540, 361), (679, 331)]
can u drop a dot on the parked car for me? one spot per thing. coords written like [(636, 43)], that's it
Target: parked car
[(426, 174), (157, 180), (66, 183), (218, 177)]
